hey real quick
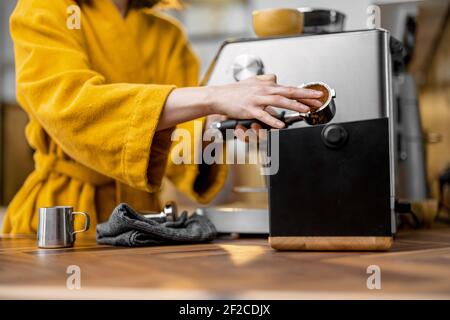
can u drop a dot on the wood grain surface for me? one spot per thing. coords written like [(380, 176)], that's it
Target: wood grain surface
[(331, 243), (416, 267)]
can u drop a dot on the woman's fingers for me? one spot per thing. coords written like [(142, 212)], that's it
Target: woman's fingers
[(311, 102), (265, 117), (242, 134), (239, 132), (271, 110), (295, 93), (256, 127), (282, 102)]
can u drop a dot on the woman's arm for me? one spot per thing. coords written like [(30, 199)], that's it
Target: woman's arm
[(243, 100), (108, 127)]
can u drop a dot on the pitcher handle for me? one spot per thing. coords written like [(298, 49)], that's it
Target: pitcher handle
[(86, 223)]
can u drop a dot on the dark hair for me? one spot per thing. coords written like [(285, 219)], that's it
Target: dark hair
[(133, 3)]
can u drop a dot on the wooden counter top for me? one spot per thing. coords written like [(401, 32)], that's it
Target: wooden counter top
[(416, 267)]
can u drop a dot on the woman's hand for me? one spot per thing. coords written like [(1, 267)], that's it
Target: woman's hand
[(252, 98), (248, 99)]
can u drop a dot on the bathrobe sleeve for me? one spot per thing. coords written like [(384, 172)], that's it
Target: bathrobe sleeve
[(109, 128)]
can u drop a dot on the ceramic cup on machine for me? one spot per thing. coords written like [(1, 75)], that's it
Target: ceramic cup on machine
[(277, 22)]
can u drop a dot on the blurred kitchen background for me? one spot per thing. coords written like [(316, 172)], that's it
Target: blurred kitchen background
[(423, 26)]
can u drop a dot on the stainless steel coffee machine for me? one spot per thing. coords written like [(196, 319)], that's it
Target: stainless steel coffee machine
[(357, 64)]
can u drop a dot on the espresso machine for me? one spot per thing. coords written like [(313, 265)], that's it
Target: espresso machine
[(341, 192)]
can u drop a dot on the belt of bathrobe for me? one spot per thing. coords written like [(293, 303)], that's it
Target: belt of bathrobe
[(47, 163)]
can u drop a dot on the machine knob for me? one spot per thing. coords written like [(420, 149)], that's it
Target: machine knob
[(334, 136), (246, 66)]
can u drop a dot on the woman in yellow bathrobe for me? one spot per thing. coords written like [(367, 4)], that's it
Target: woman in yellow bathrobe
[(103, 100)]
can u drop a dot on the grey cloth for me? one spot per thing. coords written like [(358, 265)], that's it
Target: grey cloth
[(126, 227)]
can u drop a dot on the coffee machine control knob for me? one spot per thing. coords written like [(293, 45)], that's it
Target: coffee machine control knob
[(334, 136), (246, 66)]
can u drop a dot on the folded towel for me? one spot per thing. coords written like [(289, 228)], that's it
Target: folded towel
[(126, 227)]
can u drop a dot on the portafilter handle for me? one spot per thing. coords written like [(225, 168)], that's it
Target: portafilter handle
[(232, 123)]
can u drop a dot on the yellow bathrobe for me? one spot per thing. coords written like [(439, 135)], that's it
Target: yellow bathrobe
[(94, 96)]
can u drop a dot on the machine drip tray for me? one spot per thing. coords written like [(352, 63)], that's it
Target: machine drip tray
[(237, 220)]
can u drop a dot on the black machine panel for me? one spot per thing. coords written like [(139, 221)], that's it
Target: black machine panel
[(333, 180)]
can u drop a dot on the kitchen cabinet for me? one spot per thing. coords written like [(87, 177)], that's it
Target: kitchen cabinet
[(16, 156)]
